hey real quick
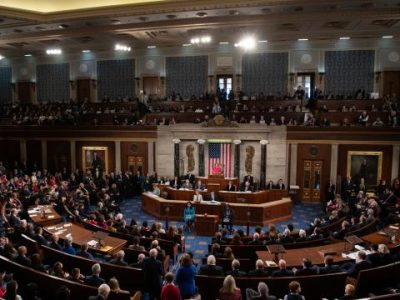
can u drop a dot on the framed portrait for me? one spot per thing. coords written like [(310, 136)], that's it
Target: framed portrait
[(365, 164), (95, 157)]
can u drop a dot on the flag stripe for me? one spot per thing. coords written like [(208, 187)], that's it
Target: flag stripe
[(220, 153)]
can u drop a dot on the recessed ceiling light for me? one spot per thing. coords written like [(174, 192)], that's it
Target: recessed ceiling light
[(247, 43), (1, 57), (151, 47), (263, 41), (224, 43), (53, 51), (186, 45), (344, 38), (387, 36), (86, 51), (119, 47), (302, 39), (28, 55)]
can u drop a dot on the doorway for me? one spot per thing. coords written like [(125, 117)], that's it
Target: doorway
[(83, 89), (391, 83), (312, 174), (307, 81), (151, 85), (136, 163), (225, 85)]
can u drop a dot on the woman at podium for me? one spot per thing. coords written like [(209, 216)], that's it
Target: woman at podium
[(189, 215), (217, 169)]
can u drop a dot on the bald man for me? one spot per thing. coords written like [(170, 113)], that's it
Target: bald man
[(153, 275)]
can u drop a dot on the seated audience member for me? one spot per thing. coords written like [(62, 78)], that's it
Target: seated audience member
[(197, 197), (102, 292), (114, 286), (247, 187), (259, 270), (283, 271), (262, 294), (39, 236), (12, 291), (95, 279), (256, 240), (363, 118), (189, 215), (136, 244), (270, 185), (22, 257), (199, 186), (349, 292), (374, 257), (302, 236), (76, 276), (228, 253), (230, 187), (361, 264), (175, 183), (68, 247), (285, 237), (280, 185), (236, 272), (58, 270), (211, 269), (308, 268), (63, 293), (83, 252), (185, 277), (187, 185), (140, 262), (169, 291), (385, 255), (295, 290), (119, 259), (378, 122), (218, 238), (229, 291), (54, 243), (329, 266), (37, 263)]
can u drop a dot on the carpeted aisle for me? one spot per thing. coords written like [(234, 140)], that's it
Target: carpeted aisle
[(303, 214)]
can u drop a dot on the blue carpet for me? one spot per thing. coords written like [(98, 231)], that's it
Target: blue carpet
[(302, 213)]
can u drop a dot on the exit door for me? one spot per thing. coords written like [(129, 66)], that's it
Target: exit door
[(307, 82), (312, 174), (225, 85)]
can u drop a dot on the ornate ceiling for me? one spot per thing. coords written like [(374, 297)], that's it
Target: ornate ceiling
[(28, 26)]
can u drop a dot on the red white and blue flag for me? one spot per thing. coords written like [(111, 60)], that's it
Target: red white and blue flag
[(220, 153)]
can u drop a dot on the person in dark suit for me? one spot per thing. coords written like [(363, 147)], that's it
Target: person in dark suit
[(102, 292), (262, 294), (199, 186), (175, 183), (308, 268), (190, 176), (247, 187), (347, 188), (54, 243), (39, 238), (374, 257), (329, 266), (95, 279), (230, 187), (259, 270), (119, 259), (280, 185), (83, 252), (361, 264), (236, 272), (282, 272), (248, 178), (21, 258), (270, 185), (211, 269), (140, 262), (97, 163), (153, 274)]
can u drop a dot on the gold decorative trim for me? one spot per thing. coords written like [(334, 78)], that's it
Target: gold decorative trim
[(90, 148), (376, 153)]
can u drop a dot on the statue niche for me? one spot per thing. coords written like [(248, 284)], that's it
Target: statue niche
[(190, 157), (248, 164)]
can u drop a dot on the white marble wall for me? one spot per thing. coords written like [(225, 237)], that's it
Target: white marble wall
[(249, 134)]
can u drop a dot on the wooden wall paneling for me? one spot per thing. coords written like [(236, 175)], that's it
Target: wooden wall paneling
[(391, 82), (151, 85), (9, 152), (34, 153), (83, 88), (24, 91), (135, 149), (386, 161), (320, 152), (58, 155), (109, 145)]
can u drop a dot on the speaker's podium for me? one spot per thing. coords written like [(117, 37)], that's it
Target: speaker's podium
[(206, 224)]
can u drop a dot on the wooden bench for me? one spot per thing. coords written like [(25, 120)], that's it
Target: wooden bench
[(48, 284), (313, 287)]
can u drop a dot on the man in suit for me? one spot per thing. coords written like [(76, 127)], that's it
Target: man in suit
[(280, 185), (54, 243), (282, 272), (308, 268), (361, 264), (230, 187), (347, 187), (190, 176), (119, 259), (374, 257), (153, 274), (39, 236), (140, 262), (211, 269), (262, 294), (249, 178), (175, 183), (83, 252), (102, 292), (187, 185), (270, 185), (259, 270), (95, 279), (247, 187), (199, 186), (21, 258), (236, 272), (329, 266)]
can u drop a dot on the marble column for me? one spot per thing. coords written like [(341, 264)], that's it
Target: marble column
[(236, 165), (72, 145), (395, 161), (293, 164), (150, 151), (176, 156), (117, 156), (44, 154), (201, 156), (334, 162), (263, 170)]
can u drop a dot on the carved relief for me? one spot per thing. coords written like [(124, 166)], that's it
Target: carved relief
[(190, 157), (248, 164)]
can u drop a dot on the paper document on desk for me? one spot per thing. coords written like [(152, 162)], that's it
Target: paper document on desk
[(92, 243), (353, 255)]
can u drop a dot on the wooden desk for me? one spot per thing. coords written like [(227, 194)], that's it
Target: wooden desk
[(381, 238), (219, 180), (206, 224), (253, 198), (260, 214), (82, 236), (51, 216)]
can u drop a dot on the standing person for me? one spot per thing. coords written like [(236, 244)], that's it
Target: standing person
[(169, 290), (229, 291), (227, 217), (189, 214), (153, 273), (185, 277)]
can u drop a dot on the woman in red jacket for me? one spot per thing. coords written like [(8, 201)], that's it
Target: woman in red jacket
[(169, 290)]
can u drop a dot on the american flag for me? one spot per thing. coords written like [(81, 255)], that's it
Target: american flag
[(220, 153)]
